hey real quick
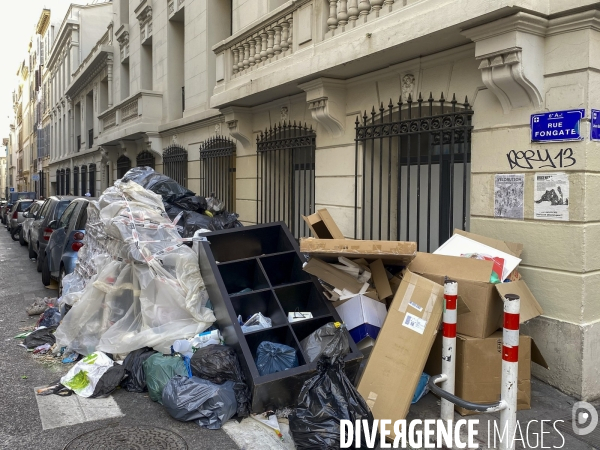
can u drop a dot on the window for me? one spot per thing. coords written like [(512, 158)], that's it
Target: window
[(92, 171), (63, 221), (76, 181), (146, 65), (175, 57), (414, 184), (84, 186), (68, 182), (123, 165), (217, 161), (60, 208), (175, 160), (44, 209), (286, 176), (82, 218), (145, 159)]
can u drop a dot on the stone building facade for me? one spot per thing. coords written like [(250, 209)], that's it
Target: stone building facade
[(335, 65), (395, 115)]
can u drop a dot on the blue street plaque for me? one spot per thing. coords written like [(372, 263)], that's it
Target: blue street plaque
[(557, 126), (595, 125)]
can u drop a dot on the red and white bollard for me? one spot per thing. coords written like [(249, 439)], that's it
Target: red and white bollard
[(510, 369), (449, 346)]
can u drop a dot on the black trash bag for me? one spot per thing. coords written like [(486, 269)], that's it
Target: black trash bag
[(139, 175), (325, 400), (134, 368), (41, 337), (193, 221), (169, 189), (329, 340), (195, 203), (218, 364), (172, 211), (225, 221), (272, 357), (109, 381), (208, 404)]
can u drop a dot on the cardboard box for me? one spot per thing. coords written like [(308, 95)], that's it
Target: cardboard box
[(398, 358), (322, 225), (380, 280), (482, 298), (390, 252), (364, 318), (479, 368)]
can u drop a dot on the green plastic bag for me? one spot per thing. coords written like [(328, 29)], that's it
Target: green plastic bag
[(159, 369)]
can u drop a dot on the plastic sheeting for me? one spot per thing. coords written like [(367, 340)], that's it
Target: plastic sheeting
[(144, 288), (209, 405)]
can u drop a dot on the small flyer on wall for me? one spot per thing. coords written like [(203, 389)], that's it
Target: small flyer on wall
[(551, 196), (508, 195)]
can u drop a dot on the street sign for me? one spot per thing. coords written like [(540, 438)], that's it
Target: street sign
[(557, 126), (11, 189), (35, 177), (595, 125)]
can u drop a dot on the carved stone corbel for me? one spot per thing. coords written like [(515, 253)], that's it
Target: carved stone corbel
[(511, 55), (326, 98), (239, 122)]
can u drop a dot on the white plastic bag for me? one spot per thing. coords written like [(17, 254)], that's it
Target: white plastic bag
[(83, 376)]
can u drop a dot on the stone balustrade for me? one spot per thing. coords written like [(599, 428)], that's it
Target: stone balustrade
[(273, 41), (347, 14)]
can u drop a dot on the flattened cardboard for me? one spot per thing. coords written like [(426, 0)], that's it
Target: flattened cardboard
[(530, 307), (331, 275), (390, 252), (397, 360), (323, 226), (482, 298), (479, 368), (380, 279)]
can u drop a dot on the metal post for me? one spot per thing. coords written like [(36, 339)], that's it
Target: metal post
[(510, 365), (449, 346)]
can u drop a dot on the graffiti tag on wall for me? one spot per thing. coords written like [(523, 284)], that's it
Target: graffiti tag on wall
[(541, 159)]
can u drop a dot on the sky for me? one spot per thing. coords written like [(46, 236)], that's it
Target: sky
[(18, 25)]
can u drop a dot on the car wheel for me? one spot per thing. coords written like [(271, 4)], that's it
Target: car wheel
[(22, 240), (46, 278), (30, 248), (14, 233), (61, 276), (39, 261)]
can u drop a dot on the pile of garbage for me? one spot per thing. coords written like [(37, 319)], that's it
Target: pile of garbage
[(181, 204), (145, 289)]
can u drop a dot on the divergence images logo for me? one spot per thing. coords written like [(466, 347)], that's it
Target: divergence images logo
[(585, 418)]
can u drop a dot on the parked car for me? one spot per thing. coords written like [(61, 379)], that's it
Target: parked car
[(29, 218), (65, 242), (4, 212), (3, 204), (15, 216), (39, 231)]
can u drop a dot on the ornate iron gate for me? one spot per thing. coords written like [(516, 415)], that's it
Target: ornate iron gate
[(412, 174), (92, 171), (62, 182), (123, 165), (286, 175), (217, 159), (175, 160), (76, 181), (145, 159)]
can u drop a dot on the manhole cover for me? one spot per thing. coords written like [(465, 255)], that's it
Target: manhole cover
[(128, 438)]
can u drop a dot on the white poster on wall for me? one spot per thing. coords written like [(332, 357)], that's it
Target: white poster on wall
[(508, 195), (551, 196)]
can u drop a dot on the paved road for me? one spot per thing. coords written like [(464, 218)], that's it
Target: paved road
[(19, 414)]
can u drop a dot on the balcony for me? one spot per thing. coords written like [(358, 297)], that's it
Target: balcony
[(303, 40), (139, 113)]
